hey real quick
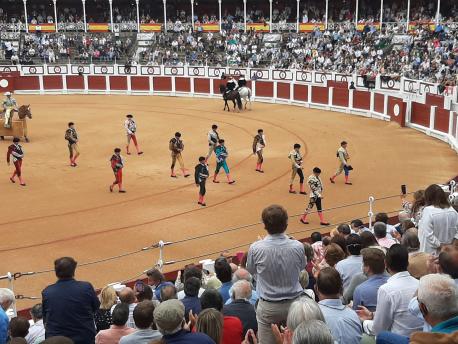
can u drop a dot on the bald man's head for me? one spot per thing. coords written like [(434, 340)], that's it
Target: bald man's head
[(127, 295), (241, 290), (242, 274)]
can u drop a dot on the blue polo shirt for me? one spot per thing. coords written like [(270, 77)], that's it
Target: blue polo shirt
[(366, 293)]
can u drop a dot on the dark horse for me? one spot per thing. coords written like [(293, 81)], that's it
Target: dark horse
[(233, 95)]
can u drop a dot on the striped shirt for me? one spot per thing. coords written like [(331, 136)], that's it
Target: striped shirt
[(276, 263)]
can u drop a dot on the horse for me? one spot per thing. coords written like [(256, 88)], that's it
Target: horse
[(232, 95), (18, 127), (245, 94)]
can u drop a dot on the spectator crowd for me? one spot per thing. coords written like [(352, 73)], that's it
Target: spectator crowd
[(392, 283)]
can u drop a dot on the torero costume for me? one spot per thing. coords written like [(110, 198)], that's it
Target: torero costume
[(131, 128), (117, 164), (221, 156), (72, 137), (213, 138), (9, 105), (16, 153), (296, 168), (259, 143), (176, 146), (241, 83), (344, 166), (200, 175), (231, 85), (316, 195)]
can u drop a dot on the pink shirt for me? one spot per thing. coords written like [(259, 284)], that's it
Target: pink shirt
[(385, 242), (113, 334)]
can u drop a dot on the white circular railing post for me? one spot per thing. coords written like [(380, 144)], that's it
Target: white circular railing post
[(371, 210)]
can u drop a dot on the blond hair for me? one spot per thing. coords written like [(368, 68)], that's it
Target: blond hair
[(108, 297)]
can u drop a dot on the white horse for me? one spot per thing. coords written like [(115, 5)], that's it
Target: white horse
[(245, 95)]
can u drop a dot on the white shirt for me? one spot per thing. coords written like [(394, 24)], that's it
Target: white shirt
[(437, 226), (130, 321), (36, 331), (393, 306)]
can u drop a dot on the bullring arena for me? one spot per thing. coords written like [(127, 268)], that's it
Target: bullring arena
[(65, 211)]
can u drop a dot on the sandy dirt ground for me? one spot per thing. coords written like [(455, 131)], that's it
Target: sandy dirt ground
[(69, 211)]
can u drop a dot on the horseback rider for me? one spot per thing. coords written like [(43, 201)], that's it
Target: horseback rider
[(230, 85), (9, 105), (242, 82)]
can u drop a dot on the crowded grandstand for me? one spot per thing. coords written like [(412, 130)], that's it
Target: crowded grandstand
[(389, 277)]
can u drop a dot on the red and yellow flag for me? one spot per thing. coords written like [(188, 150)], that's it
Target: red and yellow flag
[(261, 27), (156, 27), (309, 27), (98, 27), (42, 27)]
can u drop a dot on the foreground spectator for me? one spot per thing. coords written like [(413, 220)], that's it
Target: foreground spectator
[(303, 310), (37, 330), (191, 300), (19, 327), (144, 319), (118, 329), (108, 299), (380, 232), (417, 260), (6, 300), (232, 326), (313, 332), (143, 291), (351, 265), (191, 271), (438, 302), (69, 305), (276, 263), (127, 296), (157, 281), (223, 272), (343, 321), (168, 292), (374, 268), (242, 274), (241, 308), (210, 322), (439, 221), (394, 296), (169, 319)]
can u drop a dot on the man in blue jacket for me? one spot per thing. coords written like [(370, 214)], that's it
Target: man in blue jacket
[(69, 305)]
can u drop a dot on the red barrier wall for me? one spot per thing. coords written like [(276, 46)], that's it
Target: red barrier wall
[(7, 81), (340, 97), (301, 92), (118, 83), (397, 110), (379, 103), (435, 100), (96, 82), (182, 84), (52, 82), (420, 114), (337, 84), (283, 90), (441, 120), (264, 89), (320, 95), (27, 83), (201, 85), (162, 83), (139, 83), (361, 100), (75, 82)]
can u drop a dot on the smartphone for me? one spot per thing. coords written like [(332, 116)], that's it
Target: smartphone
[(403, 189)]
